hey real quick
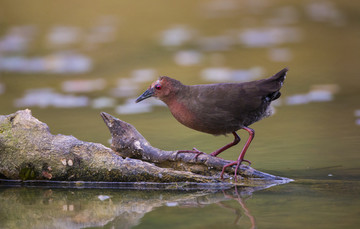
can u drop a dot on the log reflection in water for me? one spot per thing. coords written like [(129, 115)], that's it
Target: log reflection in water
[(78, 208)]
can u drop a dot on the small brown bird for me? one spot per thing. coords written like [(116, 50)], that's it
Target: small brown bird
[(218, 108)]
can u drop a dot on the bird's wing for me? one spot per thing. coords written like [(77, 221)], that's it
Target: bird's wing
[(222, 107), (230, 97)]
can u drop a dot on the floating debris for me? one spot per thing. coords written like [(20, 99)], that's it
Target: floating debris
[(297, 99), (15, 64), (243, 75), (280, 54), (320, 96), (46, 97), (269, 36), (64, 35), (83, 85), (129, 87), (17, 39), (216, 43), (103, 102), (226, 74), (357, 115), (317, 93), (323, 92), (130, 107), (357, 122), (216, 74), (176, 36), (325, 11), (125, 88), (188, 57), (143, 75), (61, 63), (68, 62), (333, 88)]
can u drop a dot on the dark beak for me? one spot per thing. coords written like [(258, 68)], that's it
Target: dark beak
[(147, 94)]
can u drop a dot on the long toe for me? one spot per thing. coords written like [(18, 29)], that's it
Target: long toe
[(238, 166), (237, 163), (225, 166), (195, 151), (249, 162)]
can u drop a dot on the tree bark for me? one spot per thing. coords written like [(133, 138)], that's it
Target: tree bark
[(28, 151)]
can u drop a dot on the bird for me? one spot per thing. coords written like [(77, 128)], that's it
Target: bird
[(219, 109)]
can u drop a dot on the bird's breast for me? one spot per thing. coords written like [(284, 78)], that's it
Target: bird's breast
[(183, 114), (199, 121)]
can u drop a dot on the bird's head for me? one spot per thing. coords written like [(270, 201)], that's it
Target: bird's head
[(161, 89)]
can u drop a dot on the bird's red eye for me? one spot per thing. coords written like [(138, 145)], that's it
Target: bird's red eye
[(157, 86)]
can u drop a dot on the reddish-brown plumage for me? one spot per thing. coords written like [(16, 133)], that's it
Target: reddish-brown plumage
[(218, 108)]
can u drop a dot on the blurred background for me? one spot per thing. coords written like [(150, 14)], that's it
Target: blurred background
[(69, 60)]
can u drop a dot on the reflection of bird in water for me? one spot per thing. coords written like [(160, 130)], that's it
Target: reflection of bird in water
[(237, 211), (219, 108)]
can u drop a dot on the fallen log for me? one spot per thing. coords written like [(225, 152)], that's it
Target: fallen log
[(28, 151)]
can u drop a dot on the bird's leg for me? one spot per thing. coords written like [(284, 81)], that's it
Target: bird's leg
[(242, 154), (247, 144), (216, 152), (236, 141)]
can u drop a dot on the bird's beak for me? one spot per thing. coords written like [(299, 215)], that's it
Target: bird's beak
[(147, 94)]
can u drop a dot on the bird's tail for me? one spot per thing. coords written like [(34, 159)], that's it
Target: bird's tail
[(273, 84), (279, 77)]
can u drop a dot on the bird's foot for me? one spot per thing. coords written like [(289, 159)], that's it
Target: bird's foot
[(237, 163), (196, 151)]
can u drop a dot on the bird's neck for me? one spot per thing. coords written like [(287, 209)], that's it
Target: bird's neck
[(179, 108)]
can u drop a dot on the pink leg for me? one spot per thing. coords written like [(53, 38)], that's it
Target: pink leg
[(216, 152), (242, 154), (222, 149)]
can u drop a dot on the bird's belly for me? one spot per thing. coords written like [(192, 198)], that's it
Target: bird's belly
[(216, 122)]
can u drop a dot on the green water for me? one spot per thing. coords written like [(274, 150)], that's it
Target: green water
[(302, 204), (317, 143)]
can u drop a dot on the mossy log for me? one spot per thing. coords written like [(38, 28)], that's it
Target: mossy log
[(28, 151)]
